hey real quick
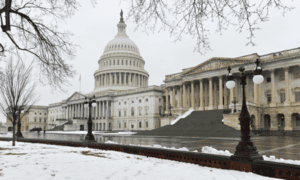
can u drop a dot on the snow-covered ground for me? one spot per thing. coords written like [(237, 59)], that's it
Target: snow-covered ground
[(182, 116), (30, 161), (205, 149)]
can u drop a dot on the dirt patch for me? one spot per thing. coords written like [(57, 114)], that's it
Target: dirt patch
[(2, 149), (89, 153), (15, 153)]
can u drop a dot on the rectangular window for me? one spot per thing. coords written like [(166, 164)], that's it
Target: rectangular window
[(140, 124), (146, 111), (268, 79), (125, 113), (119, 113), (269, 98), (297, 96), (124, 124), (146, 124), (140, 112), (119, 125), (282, 97), (45, 119), (297, 76), (34, 119), (40, 119)]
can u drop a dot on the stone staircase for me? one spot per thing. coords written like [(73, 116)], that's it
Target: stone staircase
[(199, 124), (61, 126)]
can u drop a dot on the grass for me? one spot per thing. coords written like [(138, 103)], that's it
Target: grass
[(89, 153)]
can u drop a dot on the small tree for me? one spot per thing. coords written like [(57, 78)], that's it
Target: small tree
[(16, 91)]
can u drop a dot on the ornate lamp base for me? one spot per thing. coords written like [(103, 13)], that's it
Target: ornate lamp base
[(89, 138), (246, 152)]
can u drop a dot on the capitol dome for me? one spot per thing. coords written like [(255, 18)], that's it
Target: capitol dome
[(121, 66)]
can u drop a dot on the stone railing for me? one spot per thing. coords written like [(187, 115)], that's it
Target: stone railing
[(173, 76), (281, 54), (264, 168)]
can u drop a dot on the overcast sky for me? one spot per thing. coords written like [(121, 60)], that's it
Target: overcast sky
[(94, 27)]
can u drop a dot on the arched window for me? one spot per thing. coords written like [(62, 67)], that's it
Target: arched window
[(126, 62), (133, 63), (132, 111), (114, 62), (118, 62), (122, 62), (130, 62)]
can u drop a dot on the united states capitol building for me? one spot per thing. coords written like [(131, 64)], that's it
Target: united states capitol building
[(125, 101)]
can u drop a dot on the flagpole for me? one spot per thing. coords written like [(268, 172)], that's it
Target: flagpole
[(80, 83)]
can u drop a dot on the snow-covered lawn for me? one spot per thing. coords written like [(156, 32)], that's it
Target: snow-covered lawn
[(28, 161)]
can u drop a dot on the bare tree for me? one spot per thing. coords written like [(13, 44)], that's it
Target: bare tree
[(189, 16), (30, 27), (16, 91)]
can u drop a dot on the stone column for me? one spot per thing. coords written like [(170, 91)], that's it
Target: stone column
[(103, 107), (220, 93), (225, 97), (180, 97), (115, 79), (236, 92), (273, 122), (107, 109), (231, 96), (110, 79), (193, 95), (247, 87), (288, 122), (173, 96), (255, 89), (188, 97), (287, 87), (183, 95), (201, 95), (215, 101), (273, 95), (129, 79), (210, 107), (167, 101)]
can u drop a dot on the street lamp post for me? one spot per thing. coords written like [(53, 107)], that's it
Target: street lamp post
[(19, 134), (246, 151), (89, 102), (170, 107)]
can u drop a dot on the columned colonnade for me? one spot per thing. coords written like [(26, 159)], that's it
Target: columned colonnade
[(121, 78), (207, 94), (101, 111)]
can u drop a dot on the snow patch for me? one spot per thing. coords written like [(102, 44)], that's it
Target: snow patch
[(182, 116)]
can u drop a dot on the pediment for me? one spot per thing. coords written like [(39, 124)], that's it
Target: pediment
[(220, 63), (75, 96)]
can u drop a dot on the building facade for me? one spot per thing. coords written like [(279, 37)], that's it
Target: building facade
[(126, 102), (273, 105), (124, 99), (37, 116)]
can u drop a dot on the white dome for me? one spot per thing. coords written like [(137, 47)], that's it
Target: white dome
[(121, 67), (121, 43)]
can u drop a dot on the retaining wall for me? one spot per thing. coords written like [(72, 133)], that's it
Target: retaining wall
[(265, 168)]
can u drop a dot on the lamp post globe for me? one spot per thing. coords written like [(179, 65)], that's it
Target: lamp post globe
[(230, 84)]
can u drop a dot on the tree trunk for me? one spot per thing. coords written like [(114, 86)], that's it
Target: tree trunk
[(14, 134)]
